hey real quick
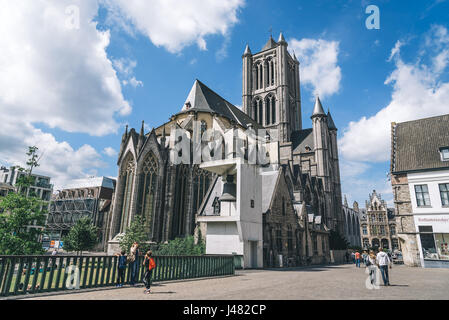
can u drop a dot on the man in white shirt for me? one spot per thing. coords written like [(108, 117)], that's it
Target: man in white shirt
[(383, 261)]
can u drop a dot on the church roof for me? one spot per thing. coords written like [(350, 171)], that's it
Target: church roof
[(201, 98), (416, 144), (330, 122), (318, 110), (270, 44), (301, 139)]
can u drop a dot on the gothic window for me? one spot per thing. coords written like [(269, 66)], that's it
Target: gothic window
[(270, 109), (179, 212), (127, 175), (148, 184), (272, 72), (260, 66), (279, 240), (267, 111), (216, 206), (203, 127), (290, 239), (258, 110), (392, 229), (201, 185)]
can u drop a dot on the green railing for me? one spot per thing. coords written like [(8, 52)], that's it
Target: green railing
[(21, 275)]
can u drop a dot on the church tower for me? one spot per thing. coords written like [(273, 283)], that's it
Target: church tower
[(271, 91)]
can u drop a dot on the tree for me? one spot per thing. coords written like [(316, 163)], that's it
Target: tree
[(83, 236), (337, 242), (22, 217), (136, 232), (19, 225), (182, 247)]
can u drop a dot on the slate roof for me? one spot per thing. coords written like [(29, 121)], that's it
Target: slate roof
[(201, 98), (301, 139), (416, 144), (270, 44)]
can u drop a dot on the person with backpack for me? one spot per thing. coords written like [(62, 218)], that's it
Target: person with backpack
[(370, 263), (121, 268), (149, 265)]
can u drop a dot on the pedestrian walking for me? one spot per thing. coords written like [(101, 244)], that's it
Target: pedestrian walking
[(121, 268), (149, 265), (384, 262), (364, 255), (357, 259), (370, 263), (353, 256), (133, 260)]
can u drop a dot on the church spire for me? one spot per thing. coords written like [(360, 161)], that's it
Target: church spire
[(141, 136), (318, 111), (247, 51), (281, 38)]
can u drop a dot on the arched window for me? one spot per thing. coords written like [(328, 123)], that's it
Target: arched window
[(148, 184), (272, 72), (260, 80), (201, 183), (258, 110), (267, 111), (270, 109), (127, 175), (181, 196)]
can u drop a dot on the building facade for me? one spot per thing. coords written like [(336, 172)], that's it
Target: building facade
[(378, 225), (352, 224), (296, 198), (420, 181), (89, 198), (40, 187)]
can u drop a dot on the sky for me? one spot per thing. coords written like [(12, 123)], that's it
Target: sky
[(74, 73)]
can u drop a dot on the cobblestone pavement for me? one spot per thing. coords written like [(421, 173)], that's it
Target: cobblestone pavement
[(328, 282)]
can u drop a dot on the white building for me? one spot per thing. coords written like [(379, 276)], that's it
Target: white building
[(420, 180), (41, 186), (235, 227)]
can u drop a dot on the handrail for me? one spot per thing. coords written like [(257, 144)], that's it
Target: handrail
[(36, 274)]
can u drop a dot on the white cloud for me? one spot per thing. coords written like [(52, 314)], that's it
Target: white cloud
[(59, 160), (55, 71), (110, 152), (125, 67), (54, 74), (319, 64), (418, 92), (175, 24)]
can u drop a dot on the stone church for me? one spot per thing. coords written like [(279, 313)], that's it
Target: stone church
[(300, 194)]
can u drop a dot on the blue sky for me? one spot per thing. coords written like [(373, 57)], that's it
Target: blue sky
[(79, 88)]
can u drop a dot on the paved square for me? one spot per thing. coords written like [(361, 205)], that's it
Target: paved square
[(328, 282)]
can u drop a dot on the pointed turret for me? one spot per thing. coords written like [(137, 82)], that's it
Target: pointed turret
[(346, 202), (141, 136), (163, 139), (330, 122), (247, 51), (318, 111), (281, 38)]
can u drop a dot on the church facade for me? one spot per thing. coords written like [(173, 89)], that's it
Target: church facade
[(299, 202)]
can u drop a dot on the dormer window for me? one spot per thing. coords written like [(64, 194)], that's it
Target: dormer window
[(444, 154)]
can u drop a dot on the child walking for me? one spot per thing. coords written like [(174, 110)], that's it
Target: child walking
[(121, 269), (149, 264)]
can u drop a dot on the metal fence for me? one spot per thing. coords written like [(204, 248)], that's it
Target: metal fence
[(21, 275)]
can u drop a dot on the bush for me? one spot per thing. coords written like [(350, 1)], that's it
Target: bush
[(181, 247)]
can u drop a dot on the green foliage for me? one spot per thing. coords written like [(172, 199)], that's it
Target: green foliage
[(21, 217), (136, 232), (337, 242), (83, 236), (181, 247), (19, 225)]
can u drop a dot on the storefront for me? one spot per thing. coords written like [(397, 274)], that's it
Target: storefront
[(433, 240)]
